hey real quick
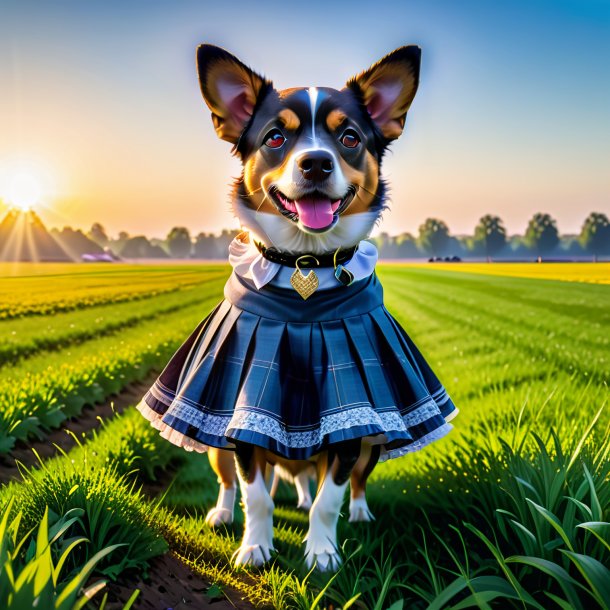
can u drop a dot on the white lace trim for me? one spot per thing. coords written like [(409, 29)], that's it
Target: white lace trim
[(417, 445), (183, 409), (249, 420), (173, 436), (208, 422), (361, 416)]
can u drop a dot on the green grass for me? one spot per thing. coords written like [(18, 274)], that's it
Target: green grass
[(34, 575), (40, 392), (510, 510), (30, 334), (92, 496)]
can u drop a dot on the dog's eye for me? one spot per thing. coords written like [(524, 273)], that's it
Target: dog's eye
[(350, 138), (275, 139)]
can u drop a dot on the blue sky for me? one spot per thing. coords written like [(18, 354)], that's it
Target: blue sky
[(101, 101)]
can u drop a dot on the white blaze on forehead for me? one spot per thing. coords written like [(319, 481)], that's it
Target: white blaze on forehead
[(313, 102), (290, 181)]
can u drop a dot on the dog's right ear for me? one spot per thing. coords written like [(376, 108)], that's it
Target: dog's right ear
[(388, 87), (230, 89)]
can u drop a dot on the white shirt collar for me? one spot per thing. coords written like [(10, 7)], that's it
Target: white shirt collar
[(248, 262)]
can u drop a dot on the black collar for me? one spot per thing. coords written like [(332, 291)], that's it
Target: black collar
[(308, 260)]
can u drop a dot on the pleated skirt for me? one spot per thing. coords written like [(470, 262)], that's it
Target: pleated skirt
[(295, 377)]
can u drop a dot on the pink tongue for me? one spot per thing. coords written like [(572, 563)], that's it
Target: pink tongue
[(315, 213)]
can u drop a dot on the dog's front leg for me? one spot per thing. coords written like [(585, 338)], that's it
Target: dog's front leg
[(358, 507), (257, 543), (321, 539), (301, 483), (223, 464)]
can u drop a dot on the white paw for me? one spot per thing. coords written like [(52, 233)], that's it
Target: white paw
[(359, 511), (252, 555), (219, 516), (325, 558), (321, 540), (257, 543)]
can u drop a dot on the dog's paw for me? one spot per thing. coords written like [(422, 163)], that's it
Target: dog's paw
[(219, 516), (252, 555), (359, 511), (321, 551), (325, 560)]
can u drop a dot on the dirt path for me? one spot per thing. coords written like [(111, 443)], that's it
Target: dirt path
[(81, 425), (172, 585)]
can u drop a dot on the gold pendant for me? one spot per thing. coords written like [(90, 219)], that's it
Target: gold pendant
[(305, 285)]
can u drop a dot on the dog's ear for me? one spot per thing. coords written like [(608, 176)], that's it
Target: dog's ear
[(388, 87), (230, 89)]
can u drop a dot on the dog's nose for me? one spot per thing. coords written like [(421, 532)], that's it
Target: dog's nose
[(315, 165)]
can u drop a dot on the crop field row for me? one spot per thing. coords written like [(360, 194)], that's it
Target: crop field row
[(32, 334), (510, 510), (595, 273), (59, 289), (40, 392)]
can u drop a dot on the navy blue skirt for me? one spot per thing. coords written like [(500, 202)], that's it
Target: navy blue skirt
[(293, 376)]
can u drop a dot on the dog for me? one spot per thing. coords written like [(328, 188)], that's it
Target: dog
[(302, 477), (310, 183)]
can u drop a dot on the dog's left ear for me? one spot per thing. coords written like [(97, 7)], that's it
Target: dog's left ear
[(230, 89), (388, 87)]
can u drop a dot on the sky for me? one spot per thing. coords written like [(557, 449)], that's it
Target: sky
[(100, 102)]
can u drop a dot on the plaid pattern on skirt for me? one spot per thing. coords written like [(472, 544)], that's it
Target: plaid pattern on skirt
[(294, 376)]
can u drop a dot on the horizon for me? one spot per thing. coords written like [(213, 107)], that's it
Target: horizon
[(114, 236), (103, 107)]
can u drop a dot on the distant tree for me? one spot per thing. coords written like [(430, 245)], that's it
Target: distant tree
[(433, 236), (76, 243), (179, 242), (206, 246), (516, 248), (224, 239), (98, 234), (160, 244), (136, 247), (386, 245), (116, 245), (541, 235), (489, 235), (381, 241), (595, 234), (570, 246), (456, 246), (472, 247), (406, 246)]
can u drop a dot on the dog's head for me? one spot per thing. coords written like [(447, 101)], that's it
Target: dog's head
[(311, 156)]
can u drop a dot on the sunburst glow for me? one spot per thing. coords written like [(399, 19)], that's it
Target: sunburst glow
[(24, 191)]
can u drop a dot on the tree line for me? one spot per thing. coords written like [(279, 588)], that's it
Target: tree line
[(489, 240)]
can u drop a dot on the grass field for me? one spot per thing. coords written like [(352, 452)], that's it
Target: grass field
[(510, 510), (596, 273)]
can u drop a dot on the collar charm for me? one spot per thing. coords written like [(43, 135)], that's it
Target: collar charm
[(305, 285)]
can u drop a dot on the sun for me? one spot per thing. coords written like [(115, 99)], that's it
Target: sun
[(24, 191)]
